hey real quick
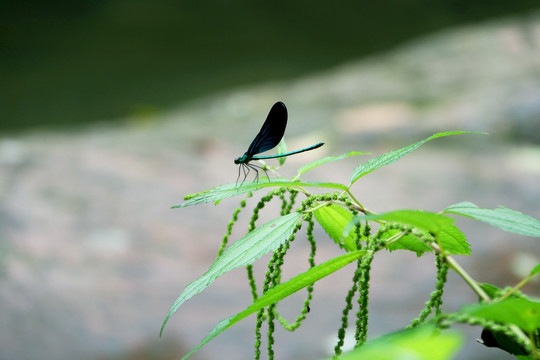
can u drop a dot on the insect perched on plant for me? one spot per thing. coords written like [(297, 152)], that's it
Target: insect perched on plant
[(268, 137)]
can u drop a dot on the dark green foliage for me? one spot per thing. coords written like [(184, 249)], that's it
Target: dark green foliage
[(66, 62)]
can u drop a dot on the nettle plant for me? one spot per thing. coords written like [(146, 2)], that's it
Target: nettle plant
[(509, 319)]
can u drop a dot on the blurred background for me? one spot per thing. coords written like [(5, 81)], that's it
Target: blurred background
[(112, 111)]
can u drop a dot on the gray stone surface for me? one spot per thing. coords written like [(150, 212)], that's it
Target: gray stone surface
[(92, 256)]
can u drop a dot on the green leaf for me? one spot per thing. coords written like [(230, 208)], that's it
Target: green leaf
[(228, 190), (450, 237), (282, 291), (219, 193), (281, 149), (518, 311), (325, 160), (503, 218), (393, 156), (420, 343), (260, 241), (453, 241), (424, 220), (334, 219), (407, 242), (535, 270), (491, 290)]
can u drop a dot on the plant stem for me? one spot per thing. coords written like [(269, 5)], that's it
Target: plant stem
[(516, 288), (360, 207), (461, 272), (474, 285)]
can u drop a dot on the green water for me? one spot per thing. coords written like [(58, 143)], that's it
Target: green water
[(65, 63)]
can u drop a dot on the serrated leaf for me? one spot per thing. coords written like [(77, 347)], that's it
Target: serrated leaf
[(228, 190), (491, 290), (251, 247), (326, 160), (518, 311), (219, 193), (407, 242), (420, 343), (393, 156), (503, 218), (425, 220), (334, 219), (435, 224), (282, 291), (453, 241)]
